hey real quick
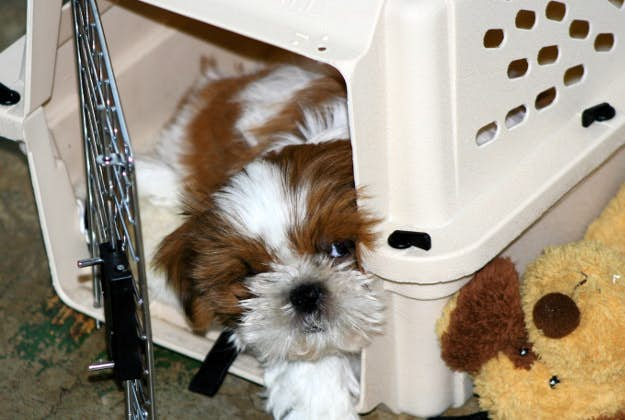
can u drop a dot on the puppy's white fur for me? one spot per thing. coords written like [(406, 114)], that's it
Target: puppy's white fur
[(258, 194), (313, 390)]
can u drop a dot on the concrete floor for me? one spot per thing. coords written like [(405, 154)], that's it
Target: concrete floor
[(45, 346)]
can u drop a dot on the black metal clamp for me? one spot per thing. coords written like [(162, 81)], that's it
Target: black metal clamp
[(124, 342)]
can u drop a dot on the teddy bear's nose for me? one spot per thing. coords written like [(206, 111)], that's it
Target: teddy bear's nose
[(556, 315)]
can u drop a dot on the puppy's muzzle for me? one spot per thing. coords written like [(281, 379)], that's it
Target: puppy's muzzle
[(307, 298)]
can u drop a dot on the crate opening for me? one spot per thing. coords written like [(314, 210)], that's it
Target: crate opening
[(157, 57)]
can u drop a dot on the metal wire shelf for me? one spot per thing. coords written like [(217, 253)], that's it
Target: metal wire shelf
[(119, 280)]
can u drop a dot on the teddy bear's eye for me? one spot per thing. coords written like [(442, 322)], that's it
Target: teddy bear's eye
[(524, 351), (553, 381)]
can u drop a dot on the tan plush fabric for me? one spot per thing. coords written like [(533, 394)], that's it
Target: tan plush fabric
[(587, 272), (508, 393), (609, 228)]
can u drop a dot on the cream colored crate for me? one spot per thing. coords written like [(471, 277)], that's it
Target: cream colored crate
[(427, 83)]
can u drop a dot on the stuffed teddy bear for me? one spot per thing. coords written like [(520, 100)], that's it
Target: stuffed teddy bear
[(552, 346)]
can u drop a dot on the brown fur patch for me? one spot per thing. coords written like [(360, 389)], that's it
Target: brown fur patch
[(618, 416), (332, 214), (206, 262), (316, 93), (487, 319), (216, 150)]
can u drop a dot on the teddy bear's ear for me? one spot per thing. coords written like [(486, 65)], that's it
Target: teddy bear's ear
[(609, 228), (484, 318)]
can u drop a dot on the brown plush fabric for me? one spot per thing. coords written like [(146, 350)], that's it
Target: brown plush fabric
[(619, 416), (487, 319), (556, 315)]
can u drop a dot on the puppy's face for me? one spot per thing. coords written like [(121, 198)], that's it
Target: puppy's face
[(308, 309), (274, 253)]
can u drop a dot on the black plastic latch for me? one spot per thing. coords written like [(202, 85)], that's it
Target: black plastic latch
[(8, 96), (402, 239), (214, 368), (601, 112)]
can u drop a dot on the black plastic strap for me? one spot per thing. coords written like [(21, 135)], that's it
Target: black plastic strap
[(212, 373)]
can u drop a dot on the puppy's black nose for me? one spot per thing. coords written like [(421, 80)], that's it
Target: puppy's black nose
[(307, 297)]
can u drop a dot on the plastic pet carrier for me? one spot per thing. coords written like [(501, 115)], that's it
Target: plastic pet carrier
[(478, 129)]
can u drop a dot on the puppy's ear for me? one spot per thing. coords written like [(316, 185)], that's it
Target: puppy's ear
[(207, 261), (176, 256)]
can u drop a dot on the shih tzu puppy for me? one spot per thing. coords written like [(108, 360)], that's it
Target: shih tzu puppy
[(253, 180)]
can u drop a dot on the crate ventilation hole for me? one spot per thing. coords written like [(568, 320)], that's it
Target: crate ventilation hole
[(519, 68)]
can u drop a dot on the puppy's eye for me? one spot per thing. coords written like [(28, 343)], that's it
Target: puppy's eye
[(250, 269), (340, 249)]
